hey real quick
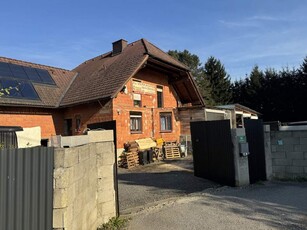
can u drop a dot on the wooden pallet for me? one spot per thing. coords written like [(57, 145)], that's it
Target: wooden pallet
[(132, 159), (172, 152)]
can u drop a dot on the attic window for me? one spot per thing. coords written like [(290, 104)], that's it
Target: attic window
[(137, 100)]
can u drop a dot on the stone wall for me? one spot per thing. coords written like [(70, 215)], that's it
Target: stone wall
[(84, 194), (289, 154)]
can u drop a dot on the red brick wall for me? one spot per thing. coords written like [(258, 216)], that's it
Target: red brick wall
[(123, 105), (50, 121), (88, 113)]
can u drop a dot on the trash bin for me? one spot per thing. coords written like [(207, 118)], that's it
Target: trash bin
[(143, 158), (150, 156), (8, 138)]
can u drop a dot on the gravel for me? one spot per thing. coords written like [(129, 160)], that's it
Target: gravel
[(274, 205), (154, 182)]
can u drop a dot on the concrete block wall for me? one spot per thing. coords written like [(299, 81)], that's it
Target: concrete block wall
[(84, 194), (289, 154)]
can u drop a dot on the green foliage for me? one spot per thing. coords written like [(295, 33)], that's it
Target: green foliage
[(278, 95), (190, 60), (193, 63), (219, 81), (115, 223)]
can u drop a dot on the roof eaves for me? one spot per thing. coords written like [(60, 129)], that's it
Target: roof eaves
[(146, 48), (85, 101), (201, 100)]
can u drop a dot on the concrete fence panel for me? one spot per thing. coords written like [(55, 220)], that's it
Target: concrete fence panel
[(289, 153), (84, 189)]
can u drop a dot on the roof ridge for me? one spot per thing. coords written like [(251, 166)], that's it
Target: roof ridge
[(100, 55), (32, 63), (110, 52)]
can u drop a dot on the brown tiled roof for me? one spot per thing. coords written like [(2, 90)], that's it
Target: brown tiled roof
[(97, 78), (50, 95), (103, 76)]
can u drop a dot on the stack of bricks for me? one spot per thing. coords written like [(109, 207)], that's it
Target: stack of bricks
[(84, 195)]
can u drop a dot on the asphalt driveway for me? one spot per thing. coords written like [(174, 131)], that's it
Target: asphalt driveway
[(144, 185), (273, 205)]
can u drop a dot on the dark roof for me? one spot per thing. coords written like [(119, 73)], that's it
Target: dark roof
[(104, 76), (50, 95)]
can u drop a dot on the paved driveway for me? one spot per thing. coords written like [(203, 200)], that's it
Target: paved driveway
[(144, 185), (274, 205)]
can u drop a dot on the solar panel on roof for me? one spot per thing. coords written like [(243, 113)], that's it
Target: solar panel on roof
[(25, 73), (5, 70), (45, 76), (18, 71), (11, 87), (32, 74), (16, 80), (27, 91), (15, 89)]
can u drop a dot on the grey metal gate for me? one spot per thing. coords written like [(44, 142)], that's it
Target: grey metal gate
[(26, 188), (213, 155)]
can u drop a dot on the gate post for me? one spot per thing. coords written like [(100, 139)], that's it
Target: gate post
[(268, 152), (240, 163)]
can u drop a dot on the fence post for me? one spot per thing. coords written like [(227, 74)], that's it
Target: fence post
[(267, 151)]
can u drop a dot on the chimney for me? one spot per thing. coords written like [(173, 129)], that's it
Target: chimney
[(119, 46)]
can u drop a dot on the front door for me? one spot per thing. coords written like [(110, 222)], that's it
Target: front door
[(68, 127)]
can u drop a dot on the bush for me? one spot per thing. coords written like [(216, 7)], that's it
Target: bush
[(115, 223)]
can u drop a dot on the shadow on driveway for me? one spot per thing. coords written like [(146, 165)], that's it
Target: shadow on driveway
[(151, 183), (273, 205)]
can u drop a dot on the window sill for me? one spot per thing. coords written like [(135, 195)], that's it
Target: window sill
[(166, 131), (135, 132)]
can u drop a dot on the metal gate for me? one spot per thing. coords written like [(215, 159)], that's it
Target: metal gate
[(213, 151), (256, 159), (26, 188)]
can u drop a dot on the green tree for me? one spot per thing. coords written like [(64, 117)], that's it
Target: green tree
[(303, 67), (219, 81), (190, 60)]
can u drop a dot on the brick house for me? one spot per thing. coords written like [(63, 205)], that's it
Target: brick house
[(136, 88)]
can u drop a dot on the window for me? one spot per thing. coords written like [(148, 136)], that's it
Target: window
[(166, 122), (137, 100), (135, 122), (160, 96)]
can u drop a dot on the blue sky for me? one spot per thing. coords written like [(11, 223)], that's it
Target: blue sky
[(241, 33)]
